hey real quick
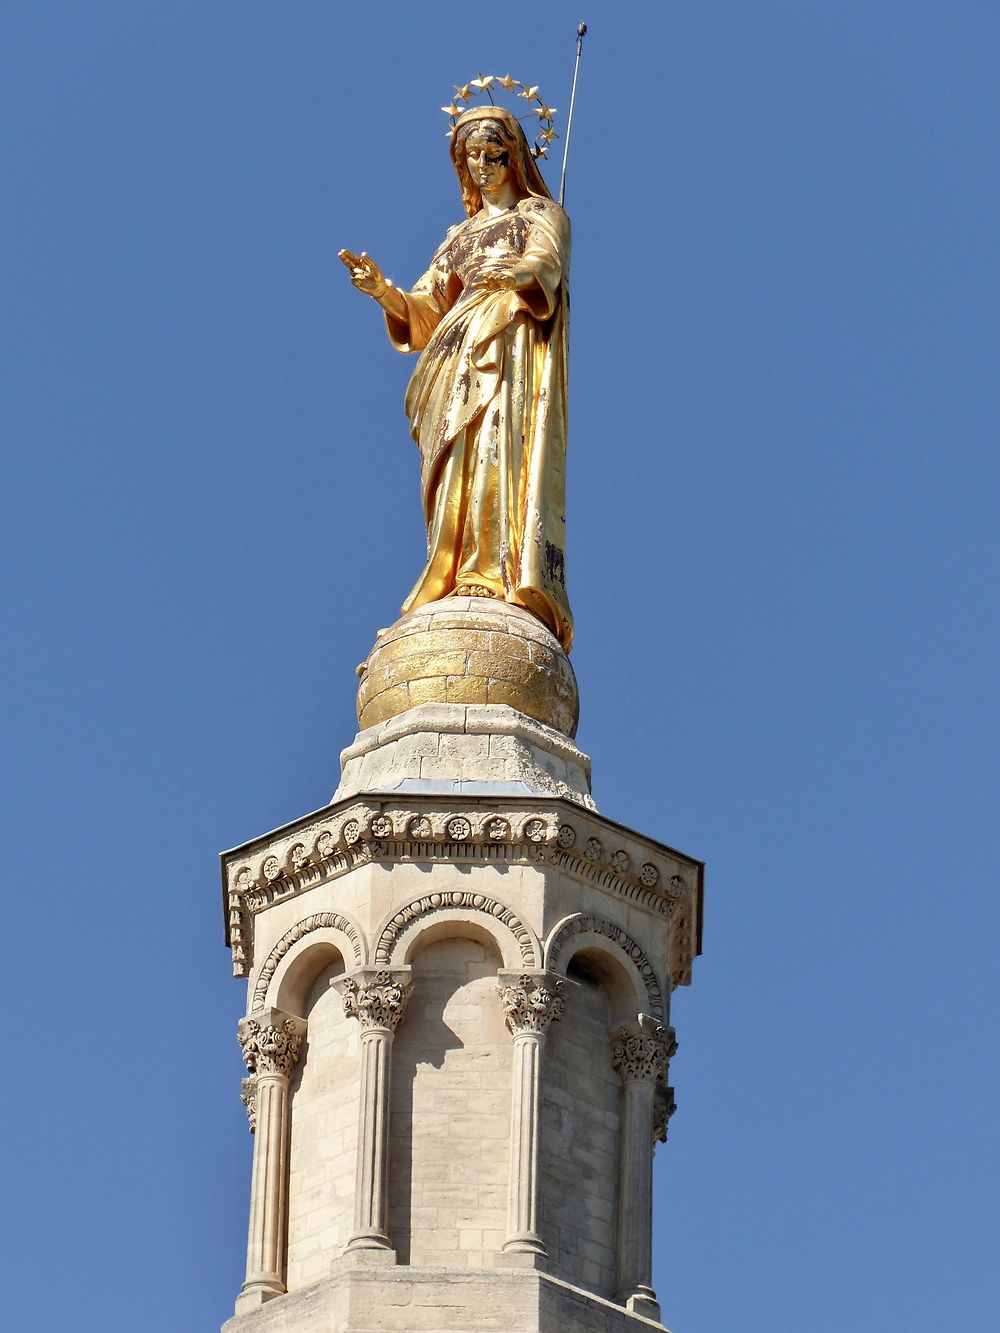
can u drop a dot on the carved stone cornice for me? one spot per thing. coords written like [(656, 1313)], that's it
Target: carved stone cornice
[(582, 844), (531, 1001), (376, 998), (642, 1054), (270, 1041)]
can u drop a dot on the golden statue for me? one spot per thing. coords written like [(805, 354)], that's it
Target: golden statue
[(487, 400)]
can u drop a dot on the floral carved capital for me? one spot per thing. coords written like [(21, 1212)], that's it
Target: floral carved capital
[(643, 1054), (248, 1096), (270, 1043), (531, 1003), (663, 1108), (376, 999)]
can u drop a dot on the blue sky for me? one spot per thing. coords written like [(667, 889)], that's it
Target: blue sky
[(782, 563)]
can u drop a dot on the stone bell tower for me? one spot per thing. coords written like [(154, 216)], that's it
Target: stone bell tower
[(457, 1031)]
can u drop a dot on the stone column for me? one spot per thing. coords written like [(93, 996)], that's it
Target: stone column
[(640, 1055), (270, 1040), (531, 1001), (377, 999)]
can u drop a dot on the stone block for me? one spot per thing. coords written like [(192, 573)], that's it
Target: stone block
[(356, 1299)]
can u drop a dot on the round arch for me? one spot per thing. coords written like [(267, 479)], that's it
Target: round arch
[(446, 914), (577, 934), (330, 930)]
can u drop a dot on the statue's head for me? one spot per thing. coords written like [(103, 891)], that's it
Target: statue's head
[(496, 139)]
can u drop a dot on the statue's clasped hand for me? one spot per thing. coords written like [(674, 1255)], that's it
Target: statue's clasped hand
[(504, 278)]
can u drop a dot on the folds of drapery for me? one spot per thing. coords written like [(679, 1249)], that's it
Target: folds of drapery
[(487, 409)]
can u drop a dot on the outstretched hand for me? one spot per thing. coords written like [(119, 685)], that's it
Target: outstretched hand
[(365, 273)]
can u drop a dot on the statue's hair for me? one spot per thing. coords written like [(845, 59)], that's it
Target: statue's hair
[(501, 128)]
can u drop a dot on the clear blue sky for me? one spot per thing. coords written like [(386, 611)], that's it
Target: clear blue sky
[(783, 565)]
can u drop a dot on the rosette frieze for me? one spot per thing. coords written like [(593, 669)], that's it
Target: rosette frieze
[(573, 841)]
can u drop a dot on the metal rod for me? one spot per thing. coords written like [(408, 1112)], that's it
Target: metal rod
[(581, 32)]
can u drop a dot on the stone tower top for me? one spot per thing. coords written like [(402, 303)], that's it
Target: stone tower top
[(459, 973)]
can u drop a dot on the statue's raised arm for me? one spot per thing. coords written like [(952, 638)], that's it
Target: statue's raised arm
[(487, 400)]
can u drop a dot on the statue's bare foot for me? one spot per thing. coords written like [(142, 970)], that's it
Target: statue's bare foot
[(474, 590)]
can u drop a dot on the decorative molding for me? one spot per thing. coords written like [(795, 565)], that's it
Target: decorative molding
[(248, 1096), (376, 999), (531, 1002), (459, 829), (463, 900), (318, 921), (642, 1055), (239, 931), (596, 925), (323, 847), (591, 864), (271, 1046)]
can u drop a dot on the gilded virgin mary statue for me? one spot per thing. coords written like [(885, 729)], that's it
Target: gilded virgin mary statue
[(487, 399)]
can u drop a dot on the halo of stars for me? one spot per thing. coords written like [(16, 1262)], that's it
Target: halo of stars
[(468, 92)]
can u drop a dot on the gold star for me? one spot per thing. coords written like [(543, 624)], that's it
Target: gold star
[(507, 82), (483, 81), (463, 93), (530, 93), (541, 150), (452, 110), (544, 112), (450, 132), (548, 135)]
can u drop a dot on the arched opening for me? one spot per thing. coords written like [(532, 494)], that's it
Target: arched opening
[(451, 1087), (324, 1115), (580, 1124)]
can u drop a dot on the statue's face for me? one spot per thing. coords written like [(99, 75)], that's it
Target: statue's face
[(487, 161)]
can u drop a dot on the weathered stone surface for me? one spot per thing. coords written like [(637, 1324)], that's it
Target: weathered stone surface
[(467, 741), (388, 1299)]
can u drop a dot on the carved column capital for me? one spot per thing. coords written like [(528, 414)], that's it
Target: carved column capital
[(531, 1001), (664, 1105), (642, 1053), (271, 1041), (376, 997), (248, 1096)]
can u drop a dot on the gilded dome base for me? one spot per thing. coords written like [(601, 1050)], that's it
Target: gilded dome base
[(469, 650)]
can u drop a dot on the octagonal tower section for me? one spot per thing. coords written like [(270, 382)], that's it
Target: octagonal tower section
[(457, 1031)]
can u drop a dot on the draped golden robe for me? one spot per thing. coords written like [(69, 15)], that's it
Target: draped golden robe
[(487, 409)]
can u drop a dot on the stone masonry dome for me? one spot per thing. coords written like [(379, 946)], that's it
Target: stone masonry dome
[(469, 650)]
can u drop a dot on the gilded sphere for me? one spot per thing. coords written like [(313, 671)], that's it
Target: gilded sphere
[(469, 650)]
